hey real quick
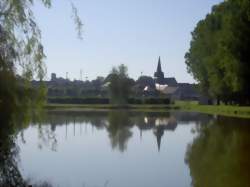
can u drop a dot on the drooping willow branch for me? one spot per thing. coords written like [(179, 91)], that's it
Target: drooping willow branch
[(22, 33)]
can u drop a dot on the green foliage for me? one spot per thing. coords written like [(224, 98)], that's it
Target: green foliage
[(87, 88), (218, 57), (119, 85), (75, 100), (18, 24), (104, 101), (159, 101), (21, 49)]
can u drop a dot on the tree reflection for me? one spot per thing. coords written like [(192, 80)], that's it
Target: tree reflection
[(9, 173), (10, 125), (47, 137), (117, 123), (119, 129), (119, 126), (220, 154)]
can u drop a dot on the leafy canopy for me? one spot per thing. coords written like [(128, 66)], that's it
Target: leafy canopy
[(21, 51), (120, 85), (218, 57)]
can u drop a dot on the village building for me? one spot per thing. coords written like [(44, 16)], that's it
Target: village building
[(145, 86), (168, 86)]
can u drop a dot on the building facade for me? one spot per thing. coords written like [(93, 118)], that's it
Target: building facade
[(169, 87)]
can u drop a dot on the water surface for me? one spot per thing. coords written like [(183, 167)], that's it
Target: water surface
[(136, 149)]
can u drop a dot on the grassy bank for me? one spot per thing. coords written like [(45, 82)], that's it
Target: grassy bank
[(233, 111), (225, 110), (98, 107)]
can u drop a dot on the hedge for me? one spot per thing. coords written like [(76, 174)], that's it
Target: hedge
[(69, 100), (78, 100)]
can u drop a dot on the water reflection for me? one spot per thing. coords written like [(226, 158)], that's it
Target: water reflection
[(118, 127), (13, 124), (159, 125), (118, 124), (9, 172), (217, 153)]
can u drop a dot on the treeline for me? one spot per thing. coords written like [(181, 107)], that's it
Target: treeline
[(219, 54), (117, 88), (76, 88), (75, 100)]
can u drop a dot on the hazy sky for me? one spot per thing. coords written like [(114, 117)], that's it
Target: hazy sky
[(132, 32)]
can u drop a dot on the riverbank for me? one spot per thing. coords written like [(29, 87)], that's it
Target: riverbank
[(101, 107), (224, 110), (232, 111)]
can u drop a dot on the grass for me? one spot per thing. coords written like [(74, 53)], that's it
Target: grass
[(98, 107), (225, 110), (189, 106)]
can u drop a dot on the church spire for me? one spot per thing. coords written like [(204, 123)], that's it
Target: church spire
[(159, 75), (159, 65)]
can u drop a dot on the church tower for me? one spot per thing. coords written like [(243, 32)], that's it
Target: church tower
[(159, 75)]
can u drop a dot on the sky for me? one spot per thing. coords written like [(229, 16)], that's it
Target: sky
[(130, 32)]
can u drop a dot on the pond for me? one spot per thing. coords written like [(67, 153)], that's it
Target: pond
[(135, 149)]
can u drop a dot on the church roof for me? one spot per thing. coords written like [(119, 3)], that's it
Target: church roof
[(170, 81)]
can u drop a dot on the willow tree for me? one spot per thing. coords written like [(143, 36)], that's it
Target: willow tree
[(218, 57), (21, 48)]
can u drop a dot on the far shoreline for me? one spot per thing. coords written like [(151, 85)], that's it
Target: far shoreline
[(223, 110)]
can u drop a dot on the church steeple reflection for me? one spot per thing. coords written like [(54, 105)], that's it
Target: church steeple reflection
[(159, 132), (159, 125)]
